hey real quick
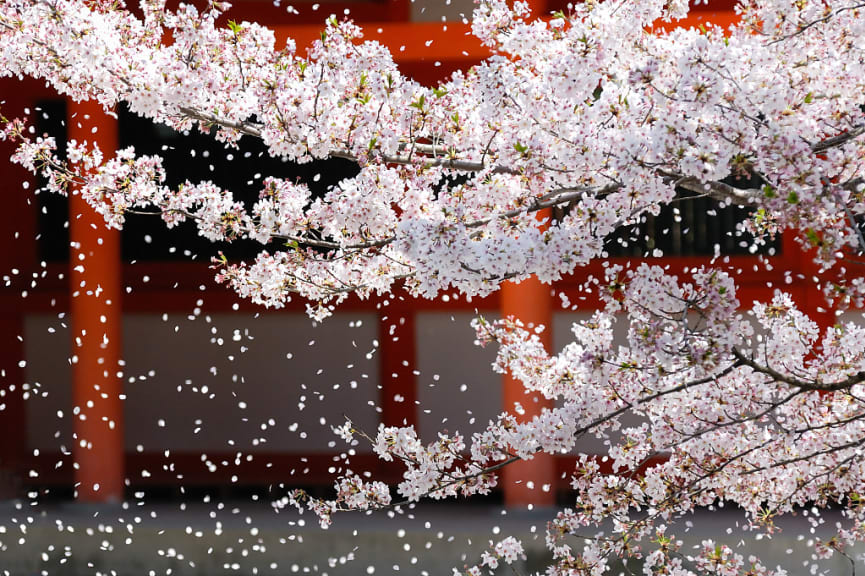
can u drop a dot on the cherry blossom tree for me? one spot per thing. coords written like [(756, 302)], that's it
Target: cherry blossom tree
[(594, 113)]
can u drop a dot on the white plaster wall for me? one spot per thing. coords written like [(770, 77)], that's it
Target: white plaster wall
[(457, 388), (854, 316), (237, 382), (441, 10)]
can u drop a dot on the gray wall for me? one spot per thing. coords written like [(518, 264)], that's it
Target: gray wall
[(264, 383)]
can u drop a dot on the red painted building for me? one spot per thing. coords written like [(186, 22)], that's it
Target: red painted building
[(124, 366)]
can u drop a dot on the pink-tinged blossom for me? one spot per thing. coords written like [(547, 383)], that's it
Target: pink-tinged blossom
[(584, 111), (707, 399)]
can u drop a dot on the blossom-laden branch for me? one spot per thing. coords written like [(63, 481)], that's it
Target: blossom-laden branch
[(610, 131), (696, 408)]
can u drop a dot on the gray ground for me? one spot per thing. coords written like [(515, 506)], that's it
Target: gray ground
[(248, 538)]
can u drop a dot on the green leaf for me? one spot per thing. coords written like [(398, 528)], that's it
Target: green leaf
[(809, 97), (760, 216), (521, 148), (793, 198), (439, 92), (234, 27), (768, 191)]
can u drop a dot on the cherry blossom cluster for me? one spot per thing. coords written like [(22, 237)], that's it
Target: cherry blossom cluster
[(702, 405), (576, 126), (352, 493), (593, 111), (506, 551), (437, 470)]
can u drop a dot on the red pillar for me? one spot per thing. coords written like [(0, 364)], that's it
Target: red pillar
[(18, 260), (398, 10), (398, 358), (95, 286), (538, 7), (524, 482)]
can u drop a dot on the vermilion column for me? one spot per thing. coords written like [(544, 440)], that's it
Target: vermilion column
[(398, 10), (538, 7), (398, 357), (95, 286), (531, 481), (17, 259)]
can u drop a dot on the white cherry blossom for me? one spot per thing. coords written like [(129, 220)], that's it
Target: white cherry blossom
[(596, 113)]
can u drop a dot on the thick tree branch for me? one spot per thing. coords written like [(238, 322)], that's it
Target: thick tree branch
[(816, 385)]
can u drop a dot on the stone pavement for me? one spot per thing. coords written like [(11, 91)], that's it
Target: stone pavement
[(249, 538)]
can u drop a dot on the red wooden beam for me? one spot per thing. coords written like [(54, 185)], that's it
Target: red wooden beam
[(221, 468)]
